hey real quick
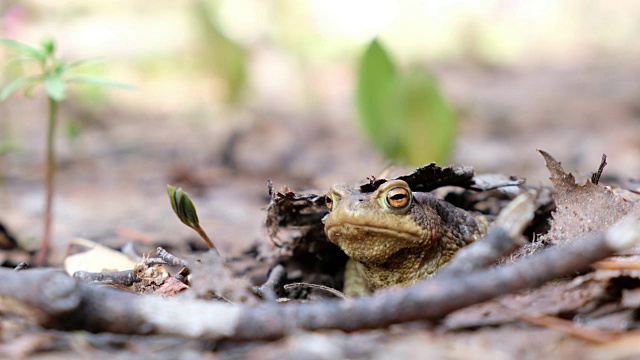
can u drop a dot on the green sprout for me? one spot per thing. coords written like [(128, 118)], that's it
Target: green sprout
[(186, 211), (55, 74)]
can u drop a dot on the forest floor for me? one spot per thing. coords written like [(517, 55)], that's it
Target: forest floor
[(111, 189)]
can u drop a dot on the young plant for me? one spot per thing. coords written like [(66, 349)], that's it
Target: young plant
[(403, 114), (186, 211), (55, 74)]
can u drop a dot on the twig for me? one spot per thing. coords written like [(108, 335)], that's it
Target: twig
[(57, 301), (23, 265), (331, 290), (125, 277), (503, 237), (155, 261), (595, 177), (170, 258), (267, 290)]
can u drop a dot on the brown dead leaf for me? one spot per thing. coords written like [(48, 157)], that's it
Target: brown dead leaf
[(171, 287), (581, 209)]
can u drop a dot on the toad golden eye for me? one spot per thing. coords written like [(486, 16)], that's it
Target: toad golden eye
[(329, 201), (398, 197)]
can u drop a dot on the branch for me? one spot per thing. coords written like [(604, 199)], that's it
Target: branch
[(503, 237)]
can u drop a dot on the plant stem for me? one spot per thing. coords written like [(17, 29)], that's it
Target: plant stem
[(43, 251), (204, 236)]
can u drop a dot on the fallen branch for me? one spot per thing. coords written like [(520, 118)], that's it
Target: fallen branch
[(268, 290), (57, 301), (503, 237)]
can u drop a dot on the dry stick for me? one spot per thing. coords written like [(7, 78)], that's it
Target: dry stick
[(22, 266), (58, 301), (267, 290), (125, 277), (170, 258), (503, 237), (334, 292), (595, 177)]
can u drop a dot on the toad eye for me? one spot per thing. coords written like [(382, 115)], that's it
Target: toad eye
[(329, 201), (398, 197)]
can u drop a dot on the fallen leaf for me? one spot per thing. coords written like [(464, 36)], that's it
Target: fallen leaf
[(581, 209), (98, 258), (171, 287)]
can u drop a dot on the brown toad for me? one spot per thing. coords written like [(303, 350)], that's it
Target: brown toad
[(394, 236)]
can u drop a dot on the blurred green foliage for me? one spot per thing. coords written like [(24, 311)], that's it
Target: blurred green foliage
[(219, 54), (54, 74), (403, 114)]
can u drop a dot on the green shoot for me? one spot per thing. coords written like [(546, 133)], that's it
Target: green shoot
[(55, 75), (186, 211)]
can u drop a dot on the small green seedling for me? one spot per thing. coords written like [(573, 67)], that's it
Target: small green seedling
[(186, 211), (55, 74)]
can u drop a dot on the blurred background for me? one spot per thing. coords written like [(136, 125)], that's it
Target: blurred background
[(231, 93)]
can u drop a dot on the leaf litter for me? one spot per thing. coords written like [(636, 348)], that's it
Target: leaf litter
[(596, 306)]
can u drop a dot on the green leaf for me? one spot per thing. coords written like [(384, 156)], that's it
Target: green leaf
[(91, 80), (171, 191), (181, 213), (24, 49), (88, 62), (15, 85), (55, 87), (18, 60), (427, 122), (183, 207), (375, 99), (189, 211)]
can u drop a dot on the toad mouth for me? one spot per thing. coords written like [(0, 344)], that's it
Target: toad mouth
[(340, 228)]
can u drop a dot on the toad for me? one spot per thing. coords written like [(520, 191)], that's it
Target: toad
[(394, 236)]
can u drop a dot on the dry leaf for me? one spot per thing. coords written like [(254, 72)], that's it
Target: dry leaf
[(170, 287), (581, 209), (98, 258)]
